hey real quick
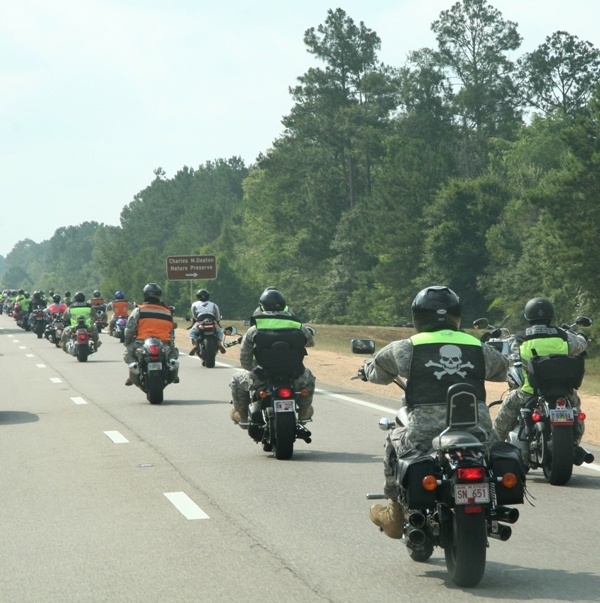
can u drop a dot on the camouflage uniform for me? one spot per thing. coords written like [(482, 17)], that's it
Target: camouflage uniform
[(132, 344), (508, 415), (244, 381), (427, 421)]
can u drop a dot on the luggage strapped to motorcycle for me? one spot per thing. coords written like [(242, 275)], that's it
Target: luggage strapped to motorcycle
[(546, 372)]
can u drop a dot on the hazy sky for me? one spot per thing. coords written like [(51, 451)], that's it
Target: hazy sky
[(96, 94)]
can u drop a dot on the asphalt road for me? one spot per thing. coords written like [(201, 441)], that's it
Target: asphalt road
[(105, 497)]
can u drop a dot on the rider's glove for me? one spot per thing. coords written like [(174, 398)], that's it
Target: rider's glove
[(361, 373)]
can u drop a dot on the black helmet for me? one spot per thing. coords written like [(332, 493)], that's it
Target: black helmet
[(272, 300), (21, 291), (202, 295), (96, 293), (56, 298), (79, 297), (36, 295), (539, 311), (67, 294), (436, 308), (152, 290)]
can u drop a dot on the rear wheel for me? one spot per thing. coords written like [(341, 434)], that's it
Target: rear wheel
[(82, 353), (560, 448), (465, 554), (122, 336), (210, 351), (285, 435), (154, 394)]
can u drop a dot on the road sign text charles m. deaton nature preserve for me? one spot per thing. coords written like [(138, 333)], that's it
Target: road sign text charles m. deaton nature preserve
[(191, 267)]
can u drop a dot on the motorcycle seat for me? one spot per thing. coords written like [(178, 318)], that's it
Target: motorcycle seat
[(457, 439)]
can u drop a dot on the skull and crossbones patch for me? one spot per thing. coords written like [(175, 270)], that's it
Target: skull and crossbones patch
[(450, 362)]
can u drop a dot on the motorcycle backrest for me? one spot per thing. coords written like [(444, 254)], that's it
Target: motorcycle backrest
[(461, 406)]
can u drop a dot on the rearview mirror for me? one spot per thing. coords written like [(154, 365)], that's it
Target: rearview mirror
[(583, 321), (230, 330), (363, 346), (481, 323)]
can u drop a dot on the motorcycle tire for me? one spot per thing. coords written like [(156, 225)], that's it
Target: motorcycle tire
[(122, 336), (209, 347), (82, 353), (39, 332), (155, 384), (465, 554), (284, 425), (560, 447)]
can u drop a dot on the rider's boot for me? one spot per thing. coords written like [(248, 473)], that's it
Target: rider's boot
[(390, 519)]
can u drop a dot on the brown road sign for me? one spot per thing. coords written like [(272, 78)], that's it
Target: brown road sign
[(191, 267)]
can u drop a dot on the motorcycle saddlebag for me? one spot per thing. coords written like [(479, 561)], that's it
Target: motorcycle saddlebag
[(506, 458), (413, 466), (545, 372)]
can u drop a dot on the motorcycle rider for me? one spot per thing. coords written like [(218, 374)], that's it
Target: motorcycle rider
[(204, 306), (152, 318), (429, 360), (272, 319), (56, 307), (37, 302), (120, 308), (543, 339), (67, 298), (78, 308)]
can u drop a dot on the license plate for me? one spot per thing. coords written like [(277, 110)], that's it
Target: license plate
[(470, 494), (284, 405), (155, 366), (561, 415)]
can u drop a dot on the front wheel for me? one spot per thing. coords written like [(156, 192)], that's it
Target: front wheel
[(560, 447), (465, 554), (285, 435), (209, 345), (154, 395)]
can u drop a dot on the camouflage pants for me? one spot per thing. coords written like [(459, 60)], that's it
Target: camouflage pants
[(244, 381), (425, 424), (508, 415)]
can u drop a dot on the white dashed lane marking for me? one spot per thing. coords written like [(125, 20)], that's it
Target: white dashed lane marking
[(116, 437), (78, 400), (55, 380), (186, 506)]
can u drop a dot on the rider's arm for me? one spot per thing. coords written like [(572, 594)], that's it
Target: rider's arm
[(392, 360), (496, 365), (247, 349), (577, 343), (131, 327)]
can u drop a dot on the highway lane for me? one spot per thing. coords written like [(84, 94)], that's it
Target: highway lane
[(87, 464)]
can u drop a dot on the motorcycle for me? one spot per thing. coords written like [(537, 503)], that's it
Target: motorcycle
[(100, 318), (550, 424), (22, 317), (153, 371), (80, 344), (273, 411), (118, 330), (37, 322), (455, 497), (54, 329), (207, 344)]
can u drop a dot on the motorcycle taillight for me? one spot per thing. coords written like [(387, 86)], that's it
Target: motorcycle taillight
[(284, 393), (154, 350), (561, 403), (470, 474), (536, 416), (82, 336)]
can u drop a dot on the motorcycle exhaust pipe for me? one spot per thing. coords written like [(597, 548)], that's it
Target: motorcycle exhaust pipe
[(416, 519), (415, 536), (507, 514), (503, 534), (583, 456)]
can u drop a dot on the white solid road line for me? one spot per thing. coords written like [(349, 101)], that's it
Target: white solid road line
[(186, 506)]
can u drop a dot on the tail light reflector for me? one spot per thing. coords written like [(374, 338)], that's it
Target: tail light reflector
[(471, 474)]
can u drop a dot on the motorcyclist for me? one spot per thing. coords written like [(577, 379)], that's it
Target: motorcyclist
[(200, 307), (543, 339), (120, 308), (56, 307), (98, 306), (37, 302), (67, 298), (437, 356), (273, 319), (152, 318), (78, 308)]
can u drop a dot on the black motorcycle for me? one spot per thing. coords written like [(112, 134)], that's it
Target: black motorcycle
[(455, 497), (80, 344), (38, 322), (153, 371), (54, 329)]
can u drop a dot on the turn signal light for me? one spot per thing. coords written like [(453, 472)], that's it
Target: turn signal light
[(285, 393), (536, 416), (581, 416), (262, 394), (304, 393), (509, 480), (429, 483)]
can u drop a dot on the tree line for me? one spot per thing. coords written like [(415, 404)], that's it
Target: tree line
[(465, 167)]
